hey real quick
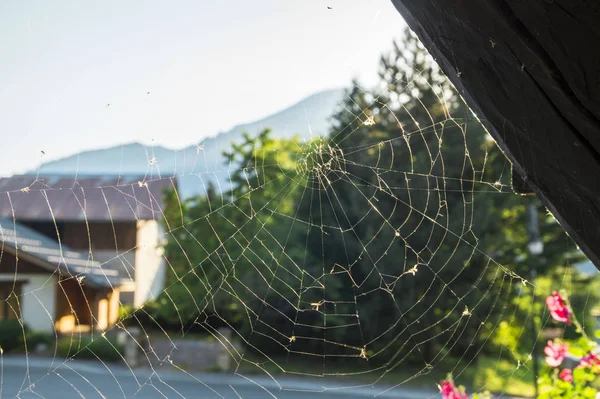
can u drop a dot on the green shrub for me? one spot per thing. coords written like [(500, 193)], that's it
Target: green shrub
[(11, 335), (35, 338), (86, 347)]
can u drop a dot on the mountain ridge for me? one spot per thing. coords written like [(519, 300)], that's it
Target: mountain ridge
[(307, 118)]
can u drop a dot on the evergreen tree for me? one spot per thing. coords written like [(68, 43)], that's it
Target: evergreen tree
[(416, 217), (395, 239)]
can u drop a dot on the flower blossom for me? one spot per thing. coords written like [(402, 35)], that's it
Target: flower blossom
[(558, 310), (589, 360), (566, 375), (449, 391), (555, 353)]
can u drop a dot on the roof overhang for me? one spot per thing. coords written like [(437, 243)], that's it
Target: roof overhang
[(53, 269), (27, 244), (530, 71)]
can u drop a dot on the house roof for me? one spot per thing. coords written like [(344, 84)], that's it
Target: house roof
[(55, 257), (95, 198)]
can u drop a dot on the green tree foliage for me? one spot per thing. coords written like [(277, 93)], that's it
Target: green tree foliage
[(231, 254), (394, 239), (421, 220)]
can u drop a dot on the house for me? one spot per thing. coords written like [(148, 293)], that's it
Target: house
[(75, 248)]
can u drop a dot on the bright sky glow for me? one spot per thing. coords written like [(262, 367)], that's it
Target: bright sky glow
[(207, 65)]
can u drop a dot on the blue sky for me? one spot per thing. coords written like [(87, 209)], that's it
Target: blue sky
[(207, 64)]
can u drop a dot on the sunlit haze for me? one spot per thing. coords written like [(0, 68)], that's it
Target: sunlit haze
[(79, 75)]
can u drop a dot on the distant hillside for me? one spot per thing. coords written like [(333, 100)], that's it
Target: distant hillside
[(194, 166)]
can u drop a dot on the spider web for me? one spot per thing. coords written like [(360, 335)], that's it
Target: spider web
[(285, 262)]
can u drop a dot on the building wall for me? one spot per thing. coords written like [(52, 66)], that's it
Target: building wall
[(75, 306), (38, 301), (116, 236), (38, 291), (113, 307), (137, 245), (150, 268), (82, 308), (101, 235)]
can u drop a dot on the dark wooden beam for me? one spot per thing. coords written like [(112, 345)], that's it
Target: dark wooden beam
[(531, 71), (519, 184)]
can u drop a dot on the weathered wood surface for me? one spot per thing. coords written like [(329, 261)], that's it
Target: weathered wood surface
[(530, 69)]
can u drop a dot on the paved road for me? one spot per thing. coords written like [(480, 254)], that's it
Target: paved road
[(40, 378)]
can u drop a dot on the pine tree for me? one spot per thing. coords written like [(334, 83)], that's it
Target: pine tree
[(411, 217)]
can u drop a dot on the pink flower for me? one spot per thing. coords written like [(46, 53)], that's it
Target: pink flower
[(558, 310), (449, 391), (555, 353), (566, 375), (588, 360)]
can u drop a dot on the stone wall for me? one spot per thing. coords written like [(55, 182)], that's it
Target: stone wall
[(187, 353)]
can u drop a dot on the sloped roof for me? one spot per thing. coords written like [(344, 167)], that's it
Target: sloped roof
[(49, 254), (95, 198)]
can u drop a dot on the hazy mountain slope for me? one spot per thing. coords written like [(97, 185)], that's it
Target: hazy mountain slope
[(130, 158), (309, 117)]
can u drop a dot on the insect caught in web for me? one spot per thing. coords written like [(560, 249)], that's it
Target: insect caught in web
[(317, 305), (370, 121), (413, 270), (363, 353)]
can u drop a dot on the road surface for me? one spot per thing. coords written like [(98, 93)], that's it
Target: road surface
[(29, 378)]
